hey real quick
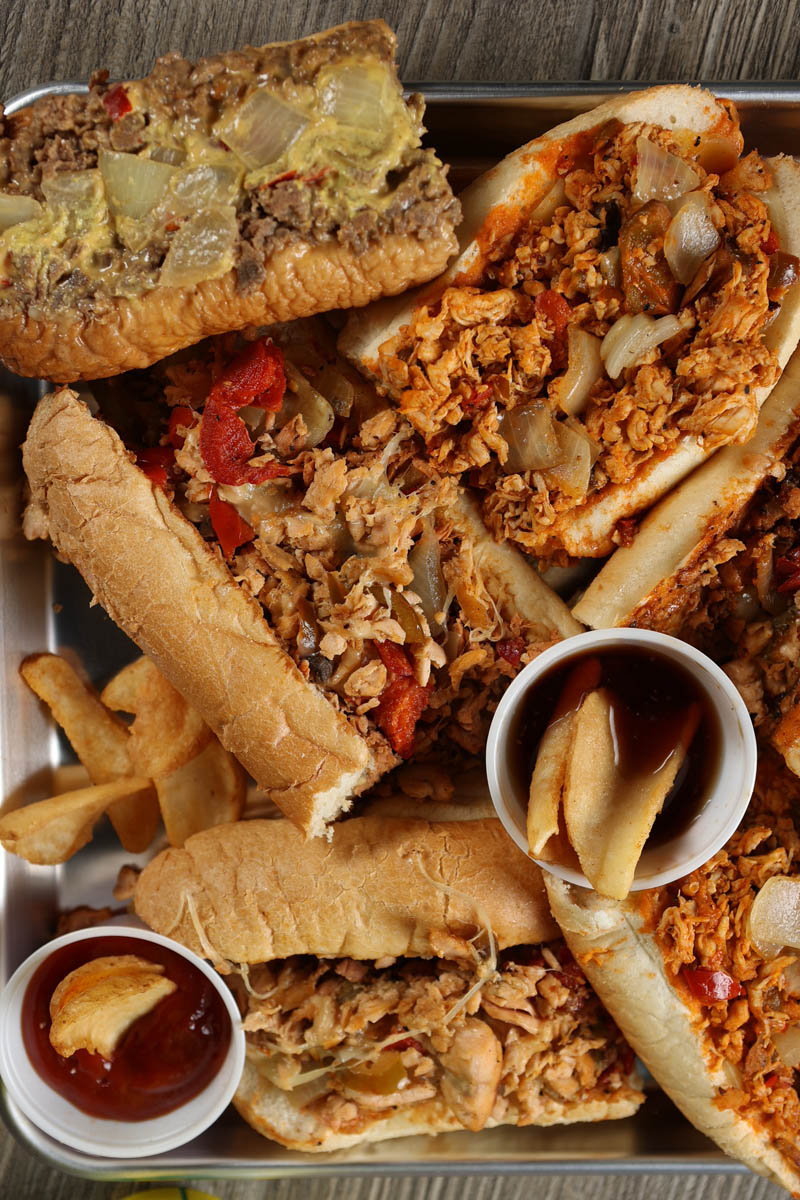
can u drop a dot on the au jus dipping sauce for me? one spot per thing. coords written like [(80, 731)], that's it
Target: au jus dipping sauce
[(167, 1057)]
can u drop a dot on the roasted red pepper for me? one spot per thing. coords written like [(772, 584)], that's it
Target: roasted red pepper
[(256, 377), (157, 462), (477, 400), (710, 986), (180, 416), (555, 310), (510, 649), (408, 1043), (116, 102), (403, 700), (232, 532), (787, 569), (770, 243)]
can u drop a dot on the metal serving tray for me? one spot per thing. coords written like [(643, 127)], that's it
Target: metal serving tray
[(45, 605)]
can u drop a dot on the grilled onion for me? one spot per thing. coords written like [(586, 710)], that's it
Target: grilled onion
[(201, 249), (787, 1044), (659, 174), (774, 920), (571, 391), (550, 201), (630, 338), (691, 236), (205, 187), (356, 97), (16, 209), (531, 436), (261, 130), (425, 561), (302, 398), (135, 186), (611, 267), (578, 452)]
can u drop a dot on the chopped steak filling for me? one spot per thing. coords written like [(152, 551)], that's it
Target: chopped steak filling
[(701, 926), (510, 375), (202, 167), (362, 1040), (345, 534)]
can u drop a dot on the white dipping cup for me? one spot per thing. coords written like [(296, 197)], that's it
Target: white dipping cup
[(729, 790), (56, 1116)]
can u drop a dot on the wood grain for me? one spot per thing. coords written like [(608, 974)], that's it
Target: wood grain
[(491, 40)]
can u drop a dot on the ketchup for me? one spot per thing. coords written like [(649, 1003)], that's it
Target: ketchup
[(164, 1059)]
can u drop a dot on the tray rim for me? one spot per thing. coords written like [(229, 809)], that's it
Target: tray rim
[(162, 1169)]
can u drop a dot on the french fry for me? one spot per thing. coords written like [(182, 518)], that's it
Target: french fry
[(100, 740), (608, 816), (167, 732), (208, 790), (51, 831), (547, 780)]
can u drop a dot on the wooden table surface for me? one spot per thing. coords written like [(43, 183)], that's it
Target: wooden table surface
[(491, 40)]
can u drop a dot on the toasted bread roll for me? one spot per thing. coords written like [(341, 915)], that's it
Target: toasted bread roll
[(259, 185), (255, 890), (505, 363)]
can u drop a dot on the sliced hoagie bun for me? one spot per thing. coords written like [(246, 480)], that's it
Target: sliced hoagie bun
[(618, 953), (256, 186), (256, 890), (175, 597), (413, 345), (643, 583)]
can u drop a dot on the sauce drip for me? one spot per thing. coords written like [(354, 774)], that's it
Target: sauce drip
[(166, 1057), (650, 696)]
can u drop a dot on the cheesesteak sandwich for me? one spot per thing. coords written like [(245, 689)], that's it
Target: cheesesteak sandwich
[(624, 300), (255, 186), (702, 977), (330, 601), (405, 978)]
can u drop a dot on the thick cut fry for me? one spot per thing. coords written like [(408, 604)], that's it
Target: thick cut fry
[(100, 740), (96, 1004), (51, 831), (547, 781), (609, 816), (208, 790), (166, 732)]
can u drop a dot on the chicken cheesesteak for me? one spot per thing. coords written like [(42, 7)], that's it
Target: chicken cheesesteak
[(439, 998), (624, 303), (391, 614)]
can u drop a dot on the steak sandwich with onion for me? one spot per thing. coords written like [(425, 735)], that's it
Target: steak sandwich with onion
[(274, 537), (624, 300), (255, 186), (701, 976), (406, 977)]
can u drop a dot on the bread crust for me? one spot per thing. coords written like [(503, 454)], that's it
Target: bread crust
[(640, 584), (496, 204), (276, 1115), (260, 892), (301, 279), (175, 597), (625, 967)]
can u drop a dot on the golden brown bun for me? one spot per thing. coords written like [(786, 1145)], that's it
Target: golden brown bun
[(624, 966), (302, 278), (642, 583), (498, 203), (175, 597), (260, 891), (278, 1115)]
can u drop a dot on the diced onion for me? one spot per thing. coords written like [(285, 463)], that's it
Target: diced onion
[(14, 210), (302, 398), (68, 189), (787, 1044), (775, 916), (659, 174), (552, 199), (356, 96), (630, 338), (531, 437), (262, 129), (791, 978), (611, 267), (578, 452), (254, 502), (205, 187), (425, 561), (691, 237), (135, 186), (201, 249), (571, 391), (168, 154)]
